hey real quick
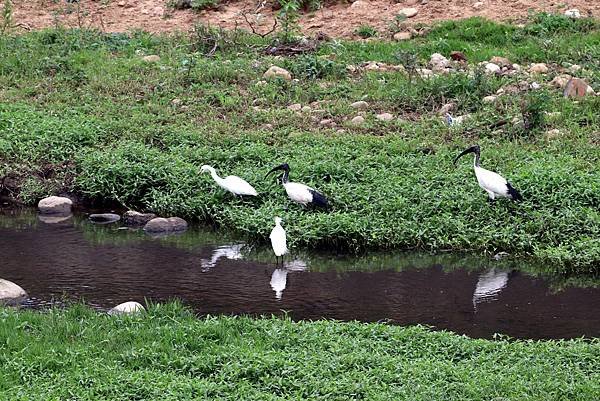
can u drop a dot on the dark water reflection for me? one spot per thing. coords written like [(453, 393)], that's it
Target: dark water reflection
[(74, 259)]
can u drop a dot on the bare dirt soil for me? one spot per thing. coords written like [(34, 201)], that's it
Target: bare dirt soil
[(336, 20)]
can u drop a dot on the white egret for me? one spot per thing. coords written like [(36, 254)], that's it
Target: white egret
[(231, 183), (278, 240), (300, 193), (494, 184), (278, 282)]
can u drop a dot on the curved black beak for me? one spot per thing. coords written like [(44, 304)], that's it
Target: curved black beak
[(284, 167), (472, 149)]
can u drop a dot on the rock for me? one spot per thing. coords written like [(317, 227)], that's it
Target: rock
[(53, 218), (489, 99), (127, 308), (176, 102), (552, 134), (162, 225), (360, 105), (277, 72), (260, 83), (477, 5), (501, 255), (439, 63), (560, 81), (458, 56), (295, 107), (55, 205), (10, 293), (153, 58), (501, 61), (358, 4), (121, 4), (104, 218), (133, 218), (372, 66), (516, 67), (409, 12), (425, 73), (538, 68), (327, 122), (306, 109), (358, 120), (576, 87), (573, 13), (384, 117), (492, 68), (575, 68), (400, 36), (535, 86)]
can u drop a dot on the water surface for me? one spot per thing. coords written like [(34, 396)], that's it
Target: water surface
[(73, 259)]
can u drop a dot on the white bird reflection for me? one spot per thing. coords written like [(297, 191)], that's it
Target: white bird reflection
[(279, 276), (232, 252), (489, 286)]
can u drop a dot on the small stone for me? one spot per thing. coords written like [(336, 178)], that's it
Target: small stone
[(358, 4), (501, 255), (538, 68), (104, 218), (327, 122), (577, 88), (176, 102), (358, 120), (127, 308), (360, 105), (573, 13), (384, 117), (260, 83), (162, 225), (133, 218), (400, 36), (489, 99), (535, 86), (351, 68), (55, 205), (372, 66), (425, 73), (574, 68), (552, 134), (478, 5), (10, 293), (516, 67), (153, 58), (501, 61), (277, 72), (295, 107), (306, 109), (409, 12), (121, 4), (492, 68), (439, 63)]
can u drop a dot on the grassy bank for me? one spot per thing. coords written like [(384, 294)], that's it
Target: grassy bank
[(81, 112), (168, 354)]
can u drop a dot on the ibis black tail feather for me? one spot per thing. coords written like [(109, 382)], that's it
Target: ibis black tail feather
[(514, 194), (319, 200)]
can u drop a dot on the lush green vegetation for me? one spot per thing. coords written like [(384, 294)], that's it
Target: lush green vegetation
[(168, 354), (82, 112)]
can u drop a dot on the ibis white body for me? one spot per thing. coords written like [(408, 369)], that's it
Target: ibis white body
[(231, 183), (278, 239), (299, 193)]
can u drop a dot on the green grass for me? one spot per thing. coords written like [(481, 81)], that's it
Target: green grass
[(81, 112), (168, 354)]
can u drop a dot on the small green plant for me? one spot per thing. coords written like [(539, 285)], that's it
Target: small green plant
[(288, 17), (6, 24), (533, 111), (397, 24), (204, 4), (366, 31)]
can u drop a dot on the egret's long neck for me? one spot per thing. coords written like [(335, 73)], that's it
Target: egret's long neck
[(476, 159), (214, 175)]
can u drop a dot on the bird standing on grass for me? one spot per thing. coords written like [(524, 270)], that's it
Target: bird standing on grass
[(300, 193), (494, 184), (278, 240), (231, 183)]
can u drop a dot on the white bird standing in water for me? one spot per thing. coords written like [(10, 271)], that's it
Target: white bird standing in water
[(231, 183), (300, 193), (278, 240), (494, 184)]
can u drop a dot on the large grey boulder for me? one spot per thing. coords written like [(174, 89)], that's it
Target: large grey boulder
[(132, 218), (127, 308), (165, 225), (55, 205), (10, 293), (104, 218)]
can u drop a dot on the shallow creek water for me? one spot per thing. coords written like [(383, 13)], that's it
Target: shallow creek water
[(73, 259)]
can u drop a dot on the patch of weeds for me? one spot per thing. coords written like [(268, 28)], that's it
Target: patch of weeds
[(533, 111), (288, 17), (544, 24), (397, 24), (315, 67), (203, 4), (366, 31)]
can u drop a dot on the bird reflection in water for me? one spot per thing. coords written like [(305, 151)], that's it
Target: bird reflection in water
[(490, 284), (231, 252), (279, 276)]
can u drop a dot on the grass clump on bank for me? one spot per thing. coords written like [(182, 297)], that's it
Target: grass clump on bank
[(82, 112), (168, 354)]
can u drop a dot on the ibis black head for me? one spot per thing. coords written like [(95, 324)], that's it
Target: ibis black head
[(285, 167), (472, 149)]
